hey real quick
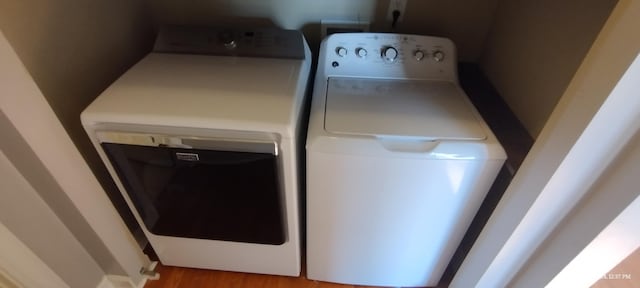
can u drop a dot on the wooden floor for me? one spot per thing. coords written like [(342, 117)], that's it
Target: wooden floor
[(177, 277), (174, 277)]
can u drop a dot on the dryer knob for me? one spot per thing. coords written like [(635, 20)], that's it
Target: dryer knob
[(438, 56), (227, 39), (231, 44), (389, 54)]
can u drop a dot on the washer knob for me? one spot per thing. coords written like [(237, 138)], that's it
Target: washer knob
[(361, 52), (389, 54), (419, 55), (438, 56), (341, 51)]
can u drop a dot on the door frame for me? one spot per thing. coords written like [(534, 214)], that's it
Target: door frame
[(23, 267), (29, 112), (586, 132)]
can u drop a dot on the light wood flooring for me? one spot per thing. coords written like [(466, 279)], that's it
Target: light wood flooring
[(177, 277)]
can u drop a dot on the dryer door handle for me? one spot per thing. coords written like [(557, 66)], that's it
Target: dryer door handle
[(394, 144)]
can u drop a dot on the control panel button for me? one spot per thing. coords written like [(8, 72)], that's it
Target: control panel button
[(230, 44), (361, 52), (438, 56), (341, 51), (227, 38), (389, 54), (418, 55)]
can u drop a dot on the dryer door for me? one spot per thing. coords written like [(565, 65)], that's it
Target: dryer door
[(214, 194)]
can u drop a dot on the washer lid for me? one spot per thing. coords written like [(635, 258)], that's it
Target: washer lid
[(435, 110)]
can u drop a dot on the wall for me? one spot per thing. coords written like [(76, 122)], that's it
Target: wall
[(465, 22), (4, 280), (534, 49), (73, 50)]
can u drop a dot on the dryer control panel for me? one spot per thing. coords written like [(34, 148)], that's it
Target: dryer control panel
[(384, 55), (239, 42)]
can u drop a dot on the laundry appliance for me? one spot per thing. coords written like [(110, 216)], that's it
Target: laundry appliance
[(202, 139), (398, 160)]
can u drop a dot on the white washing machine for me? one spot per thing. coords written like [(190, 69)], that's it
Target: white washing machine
[(398, 160), (202, 139)]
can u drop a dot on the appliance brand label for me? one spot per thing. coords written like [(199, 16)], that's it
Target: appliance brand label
[(187, 156)]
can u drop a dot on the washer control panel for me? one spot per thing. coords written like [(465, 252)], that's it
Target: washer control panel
[(388, 56)]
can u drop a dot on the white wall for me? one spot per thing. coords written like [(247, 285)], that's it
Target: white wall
[(534, 49), (528, 49), (74, 49)]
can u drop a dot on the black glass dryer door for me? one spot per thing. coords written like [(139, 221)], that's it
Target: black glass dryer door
[(204, 194)]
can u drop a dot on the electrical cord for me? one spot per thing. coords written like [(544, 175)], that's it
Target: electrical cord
[(396, 16)]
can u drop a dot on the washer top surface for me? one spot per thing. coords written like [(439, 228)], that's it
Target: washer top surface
[(204, 91), (434, 110)]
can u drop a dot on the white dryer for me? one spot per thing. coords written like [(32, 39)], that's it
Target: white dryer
[(398, 160), (201, 137)]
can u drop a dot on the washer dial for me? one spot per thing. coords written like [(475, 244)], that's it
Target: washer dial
[(438, 56), (389, 54), (361, 52), (341, 51)]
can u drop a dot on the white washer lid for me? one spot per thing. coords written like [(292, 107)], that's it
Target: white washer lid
[(435, 110)]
